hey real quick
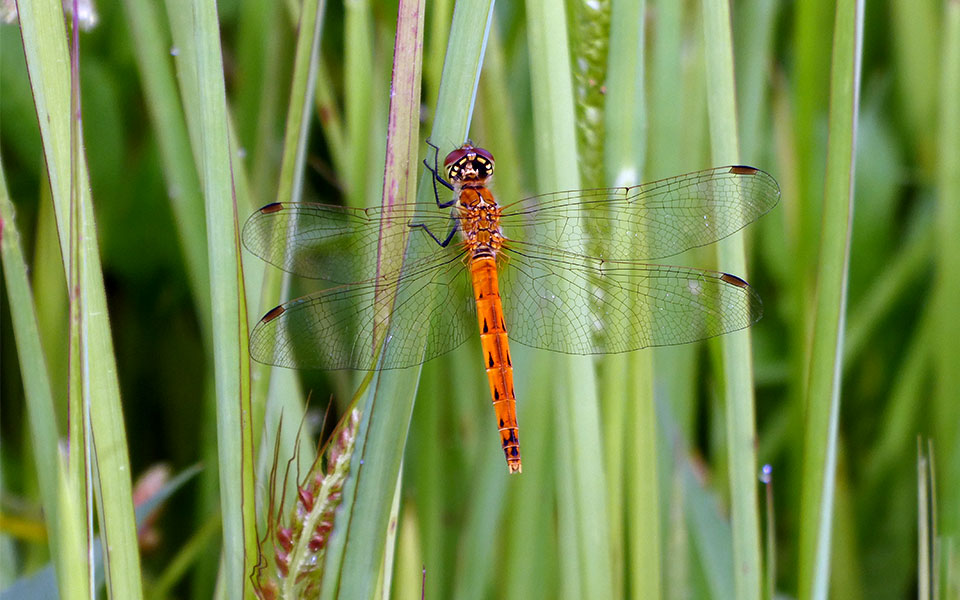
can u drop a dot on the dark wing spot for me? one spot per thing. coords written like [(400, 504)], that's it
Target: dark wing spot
[(742, 170), (733, 280), (273, 314), (271, 208)]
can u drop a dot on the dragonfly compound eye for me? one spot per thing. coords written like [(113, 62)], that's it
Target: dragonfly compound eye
[(468, 163)]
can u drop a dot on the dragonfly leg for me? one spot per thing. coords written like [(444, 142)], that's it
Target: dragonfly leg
[(445, 242), (435, 170)]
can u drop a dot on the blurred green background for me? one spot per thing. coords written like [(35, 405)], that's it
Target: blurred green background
[(478, 533)]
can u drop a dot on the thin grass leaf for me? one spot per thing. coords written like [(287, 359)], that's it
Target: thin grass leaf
[(166, 115), (358, 97), (42, 419), (917, 53), (753, 37), (823, 389), (925, 527), (231, 358), (583, 527), (278, 391), (737, 356), (45, 47), (673, 128), (946, 408), (357, 544), (626, 388)]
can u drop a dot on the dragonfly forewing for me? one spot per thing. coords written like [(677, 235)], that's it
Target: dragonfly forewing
[(337, 243), (649, 221)]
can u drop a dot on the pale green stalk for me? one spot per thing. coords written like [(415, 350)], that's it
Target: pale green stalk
[(356, 547), (230, 356), (280, 388), (584, 535), (671, 151), (627, 382), (165, 111), (737, 356), (915, 27), (358, 96), (823, 388), (42, 419), (924, 527), (947, 356), (42, 30)]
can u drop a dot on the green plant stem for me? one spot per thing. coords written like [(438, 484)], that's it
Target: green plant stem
[(736, 347), (356, 548), (823, 388), (42, 31), (231, 357), (583, 526), (947, 358), (33, 370)]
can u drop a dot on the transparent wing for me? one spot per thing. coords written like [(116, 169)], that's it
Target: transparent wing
[(339, 244), (334, 329), (579, 305), (649, 221)]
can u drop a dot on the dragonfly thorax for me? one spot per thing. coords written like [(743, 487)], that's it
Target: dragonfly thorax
[(479, 221)]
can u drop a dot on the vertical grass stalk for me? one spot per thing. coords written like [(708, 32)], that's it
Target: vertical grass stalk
[(42, 418), (44, 42), (947, 409), (824, 373), (736, 347), (584, 540), (357, 546), (231, 357)]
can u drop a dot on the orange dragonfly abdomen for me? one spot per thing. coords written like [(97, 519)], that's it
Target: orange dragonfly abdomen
[(496, 355)]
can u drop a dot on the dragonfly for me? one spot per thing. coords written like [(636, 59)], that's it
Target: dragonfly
[(568, 271)]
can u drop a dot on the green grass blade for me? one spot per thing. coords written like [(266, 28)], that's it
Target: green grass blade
[(925, 527), (358, 97), (823, 389), (736, 347), (231, 358), (753, 40), (947, 355), (917, 53), (280, 388), (626, 385), (357, 545), (48, 64), (33, 370), (72, 559), (583, 527), (166, 115)]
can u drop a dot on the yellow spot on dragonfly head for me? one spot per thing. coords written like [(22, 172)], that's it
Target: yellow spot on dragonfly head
[(468, 163)]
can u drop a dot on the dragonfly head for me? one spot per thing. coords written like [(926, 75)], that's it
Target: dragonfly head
[(468, 163)]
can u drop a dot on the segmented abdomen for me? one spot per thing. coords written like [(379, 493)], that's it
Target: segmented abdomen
[(496, 355)]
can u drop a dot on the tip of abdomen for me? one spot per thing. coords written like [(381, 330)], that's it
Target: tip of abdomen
[(514, 466)]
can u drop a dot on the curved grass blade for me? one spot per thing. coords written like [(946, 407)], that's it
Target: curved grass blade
[(42, 29), (824, 373), (737, 356)]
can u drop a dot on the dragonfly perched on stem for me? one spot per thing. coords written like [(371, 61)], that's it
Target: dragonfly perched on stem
[(560, 271)]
